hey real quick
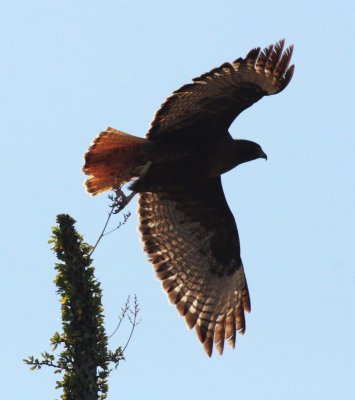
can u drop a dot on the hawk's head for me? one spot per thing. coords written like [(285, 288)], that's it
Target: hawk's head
[(246, 150)]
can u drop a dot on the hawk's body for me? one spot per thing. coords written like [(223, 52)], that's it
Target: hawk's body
[(187, 227)]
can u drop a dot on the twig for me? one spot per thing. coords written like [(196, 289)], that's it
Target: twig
[(102, 234), (121, 317), (134, 323), (119, 202), (121, 223)]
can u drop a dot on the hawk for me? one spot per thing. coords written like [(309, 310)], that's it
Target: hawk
[(187, 228)]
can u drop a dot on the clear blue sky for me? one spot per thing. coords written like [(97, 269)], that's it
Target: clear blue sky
[(71, 68)]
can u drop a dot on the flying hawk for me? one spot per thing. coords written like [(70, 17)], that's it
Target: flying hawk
[(188, 230)]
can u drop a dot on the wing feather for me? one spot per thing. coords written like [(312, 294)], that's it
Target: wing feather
[(216, 98), (192, 240)]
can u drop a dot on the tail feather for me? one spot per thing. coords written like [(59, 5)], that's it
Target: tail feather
[(113, 158)]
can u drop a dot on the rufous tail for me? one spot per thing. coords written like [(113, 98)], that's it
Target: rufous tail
[(114, 158)]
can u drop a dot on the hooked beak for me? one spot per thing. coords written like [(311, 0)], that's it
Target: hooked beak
[(261, 154)]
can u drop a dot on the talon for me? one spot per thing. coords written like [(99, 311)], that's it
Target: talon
[(125, 199)]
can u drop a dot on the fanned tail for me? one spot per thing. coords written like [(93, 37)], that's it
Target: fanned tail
[(114, 158)]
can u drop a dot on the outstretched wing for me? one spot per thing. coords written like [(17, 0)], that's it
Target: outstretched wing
[(217, 97), (192, 240)]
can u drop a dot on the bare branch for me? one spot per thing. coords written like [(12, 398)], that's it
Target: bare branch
[(132, 314), (119, 202), (134, 323), (124, 310)]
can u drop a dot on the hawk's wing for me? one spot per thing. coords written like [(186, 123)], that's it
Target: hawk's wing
[(217, 97), (192, 240)]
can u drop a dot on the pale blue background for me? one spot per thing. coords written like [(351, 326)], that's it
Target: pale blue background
[(70, 69)]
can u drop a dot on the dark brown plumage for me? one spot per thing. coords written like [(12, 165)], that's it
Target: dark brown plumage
[(188, 230)]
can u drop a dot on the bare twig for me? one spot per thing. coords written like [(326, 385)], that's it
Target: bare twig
[(132, 315), (124, 310), (133, 322), (119, 202), (121, 223), (102, 234)]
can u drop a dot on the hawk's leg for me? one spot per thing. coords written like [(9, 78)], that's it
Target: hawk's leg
[(126, 199), (120, 200)]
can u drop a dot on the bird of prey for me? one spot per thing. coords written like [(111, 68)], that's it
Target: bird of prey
[(187, 228)]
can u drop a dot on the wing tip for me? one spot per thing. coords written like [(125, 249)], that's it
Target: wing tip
[(274, 62)]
